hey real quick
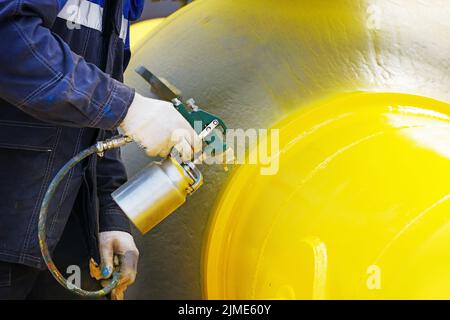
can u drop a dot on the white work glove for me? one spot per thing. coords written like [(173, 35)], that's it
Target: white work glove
[(121, 245), (157, 127)]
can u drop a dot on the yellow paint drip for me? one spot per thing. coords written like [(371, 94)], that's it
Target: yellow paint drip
[(360, 207)]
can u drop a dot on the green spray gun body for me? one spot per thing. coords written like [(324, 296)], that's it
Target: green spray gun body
[(199, 119)]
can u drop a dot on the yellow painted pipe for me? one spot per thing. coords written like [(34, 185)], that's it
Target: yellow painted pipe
[(359, 207), (141, 30)]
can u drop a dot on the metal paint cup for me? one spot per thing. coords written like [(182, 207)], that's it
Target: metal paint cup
[(157, 191)]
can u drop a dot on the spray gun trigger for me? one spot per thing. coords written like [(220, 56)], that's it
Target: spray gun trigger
[(208, 129)]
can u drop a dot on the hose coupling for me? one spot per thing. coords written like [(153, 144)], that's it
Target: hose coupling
[(113, 143)]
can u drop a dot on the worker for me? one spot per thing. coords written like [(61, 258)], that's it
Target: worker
[(61, 91)]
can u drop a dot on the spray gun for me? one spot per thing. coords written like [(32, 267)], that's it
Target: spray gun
[(162, 187), (155, 192)]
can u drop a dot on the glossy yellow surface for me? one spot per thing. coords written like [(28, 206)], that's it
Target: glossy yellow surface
[(360, 207)]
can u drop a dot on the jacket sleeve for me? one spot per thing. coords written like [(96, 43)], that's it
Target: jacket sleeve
[(42, 76), (111, 175)]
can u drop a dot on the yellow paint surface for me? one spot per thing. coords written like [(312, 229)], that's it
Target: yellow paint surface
[(360, 207), (140, 31)]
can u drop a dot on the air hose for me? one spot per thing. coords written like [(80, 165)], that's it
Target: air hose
[(99, 149)]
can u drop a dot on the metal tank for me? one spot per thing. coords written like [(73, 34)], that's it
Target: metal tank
[(361, 195)]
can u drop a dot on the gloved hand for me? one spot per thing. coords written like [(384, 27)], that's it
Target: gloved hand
[(157, 126), (119, 244)]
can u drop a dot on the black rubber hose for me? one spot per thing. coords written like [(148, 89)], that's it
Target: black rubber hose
[(43, 236)]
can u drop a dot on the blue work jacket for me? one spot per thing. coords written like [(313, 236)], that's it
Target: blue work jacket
[(61, 90)]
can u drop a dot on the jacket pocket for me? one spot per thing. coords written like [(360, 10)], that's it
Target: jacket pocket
[(25, 164), (25, 136)]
